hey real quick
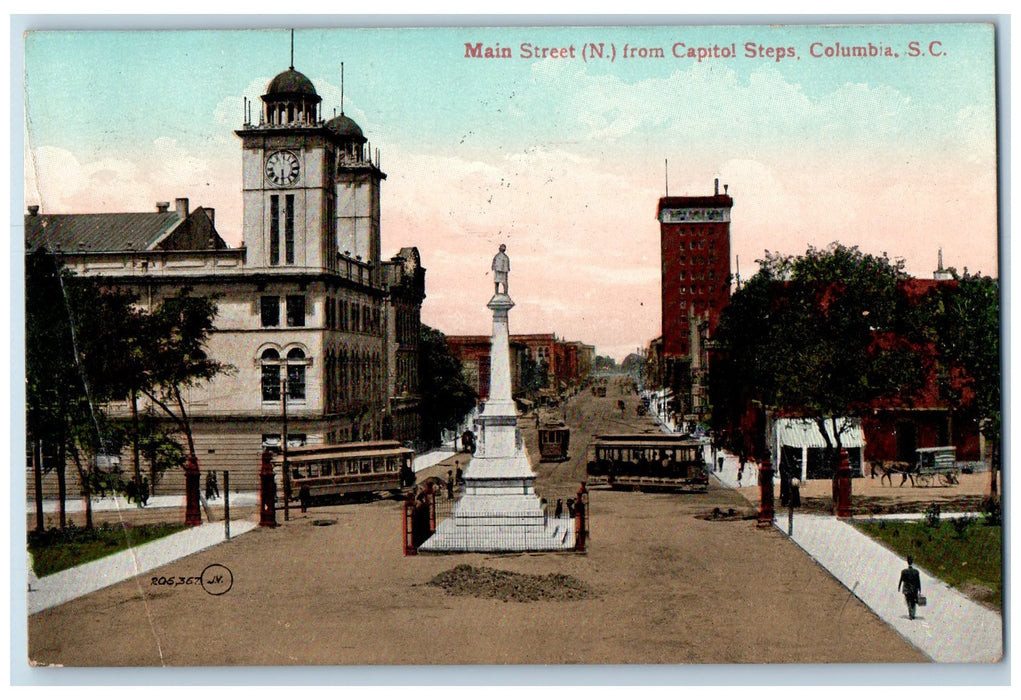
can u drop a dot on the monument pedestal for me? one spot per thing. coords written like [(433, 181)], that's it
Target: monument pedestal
[(499, 511)]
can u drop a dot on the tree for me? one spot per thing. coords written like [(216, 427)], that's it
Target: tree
[(823, 335), (446, 396), (74, 347), (86, 346), (533, 376), (966, 331), (175, 359)]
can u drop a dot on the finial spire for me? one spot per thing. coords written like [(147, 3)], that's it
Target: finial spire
[(342, 88), (292, 49)]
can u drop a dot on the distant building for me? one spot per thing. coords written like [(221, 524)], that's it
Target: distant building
[(306, 305), (474, 352), (567, 363), (695, 288)]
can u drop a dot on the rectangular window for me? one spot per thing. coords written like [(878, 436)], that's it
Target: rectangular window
[(296, 382), (289, 229), (295, 311), (274, 229), (270, 311), (271, 382)]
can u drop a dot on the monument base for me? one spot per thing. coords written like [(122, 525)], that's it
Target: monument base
[(500, 519)]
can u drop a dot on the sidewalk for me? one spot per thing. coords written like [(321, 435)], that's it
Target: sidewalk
[(950, 629), (69, 584), (73, 583)]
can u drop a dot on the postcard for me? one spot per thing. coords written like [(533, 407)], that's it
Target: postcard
[(512, 346)]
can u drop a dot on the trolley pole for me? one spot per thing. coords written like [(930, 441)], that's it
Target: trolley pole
[(283, 441)]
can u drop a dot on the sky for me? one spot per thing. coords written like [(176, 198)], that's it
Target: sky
[(561, 158)]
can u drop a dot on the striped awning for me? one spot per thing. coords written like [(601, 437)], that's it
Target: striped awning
[(804, 432)]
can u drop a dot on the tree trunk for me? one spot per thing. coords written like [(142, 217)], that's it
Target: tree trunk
[(993, 491), (83, 476), (37, 471), (135, 452), (62, 483)]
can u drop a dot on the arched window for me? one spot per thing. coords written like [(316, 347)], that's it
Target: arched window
[(296, 375), (270, 375)]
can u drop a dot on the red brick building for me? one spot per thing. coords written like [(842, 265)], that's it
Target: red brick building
[(474, 352), (695, 259)]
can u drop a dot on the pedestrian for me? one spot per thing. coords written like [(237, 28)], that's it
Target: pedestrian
[(911, 585), (450, 483), (216, 486), (719, 462), (740, 473), (305, 497), (209, 485), (570, 507), (458, 474), (560, 508)]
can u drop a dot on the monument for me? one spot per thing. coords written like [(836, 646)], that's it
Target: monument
[(499, 511)]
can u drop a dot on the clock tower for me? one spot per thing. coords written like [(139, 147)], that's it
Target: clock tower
[(310, 188)]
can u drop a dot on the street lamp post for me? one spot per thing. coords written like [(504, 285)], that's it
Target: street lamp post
[(283, 440)]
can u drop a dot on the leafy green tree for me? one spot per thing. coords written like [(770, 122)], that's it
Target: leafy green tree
[(174, 350), (86, 346), (73, 352), (823, 335), (446, 396), (52, 383), (966, 331)]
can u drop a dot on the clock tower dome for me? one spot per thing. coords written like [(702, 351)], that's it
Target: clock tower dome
[(311, 190)]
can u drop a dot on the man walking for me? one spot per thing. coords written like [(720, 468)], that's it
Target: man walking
[(912, 587)]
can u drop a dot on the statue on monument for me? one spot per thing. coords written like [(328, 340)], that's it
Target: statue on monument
[(501, 266)]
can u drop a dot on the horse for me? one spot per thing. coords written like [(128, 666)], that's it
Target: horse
[(907, 470)]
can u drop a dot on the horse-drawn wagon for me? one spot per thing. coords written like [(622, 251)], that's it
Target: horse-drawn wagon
[(937, 465)]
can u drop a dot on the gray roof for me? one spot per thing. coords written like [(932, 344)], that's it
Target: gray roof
[(98, 232)]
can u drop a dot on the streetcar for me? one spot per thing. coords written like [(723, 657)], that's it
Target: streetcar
[(554, 439), (333, 472), (649, 462)]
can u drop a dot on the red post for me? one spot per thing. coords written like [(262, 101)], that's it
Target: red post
[(765, 493), (843, 487), (431, 500), (267, 493), (192, 516), (409, 525), (579, 526)]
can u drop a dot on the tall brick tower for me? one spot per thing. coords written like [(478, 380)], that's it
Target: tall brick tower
[(695, 251)]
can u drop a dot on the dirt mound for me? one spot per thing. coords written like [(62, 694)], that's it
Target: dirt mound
[(483, 582)]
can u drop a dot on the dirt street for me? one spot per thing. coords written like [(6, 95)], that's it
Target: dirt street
[(666, 587)]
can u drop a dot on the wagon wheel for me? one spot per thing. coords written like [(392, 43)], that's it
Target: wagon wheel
[(923, 479), (948, 478)]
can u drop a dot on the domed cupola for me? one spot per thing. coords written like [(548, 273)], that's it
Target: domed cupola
[(350, 139), (344, 127), (291, 99)]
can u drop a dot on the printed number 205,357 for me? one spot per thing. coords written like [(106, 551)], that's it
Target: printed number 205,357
[(175, 580)]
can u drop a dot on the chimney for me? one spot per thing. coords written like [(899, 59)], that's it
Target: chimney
[(181, 204), (726, 188), (717, 187), (33, 210), (162, 207)]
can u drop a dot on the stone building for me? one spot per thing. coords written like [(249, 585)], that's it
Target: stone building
[(308, 311)]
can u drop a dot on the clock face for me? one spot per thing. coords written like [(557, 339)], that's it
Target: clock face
[(282, 168)]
